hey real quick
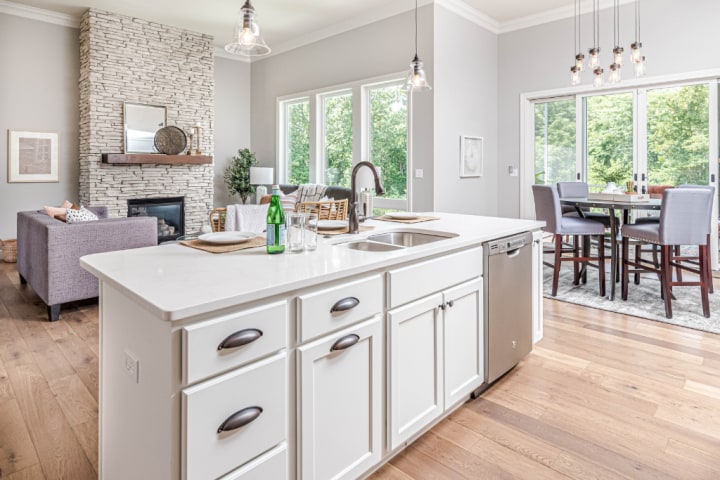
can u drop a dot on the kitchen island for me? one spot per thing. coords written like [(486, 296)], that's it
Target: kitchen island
[(315, 365)]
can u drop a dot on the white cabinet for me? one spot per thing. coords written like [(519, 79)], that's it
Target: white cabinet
[(436, 357), (463, 341), (537, 286), (340, 395), (271, 465)]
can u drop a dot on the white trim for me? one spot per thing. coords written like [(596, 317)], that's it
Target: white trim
[(467, 12), (39, 14), (551, 16)]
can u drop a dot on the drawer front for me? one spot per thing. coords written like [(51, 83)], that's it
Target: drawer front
[(271, 466), (207, 406), (247, 335), (330, 309), (416, 281)]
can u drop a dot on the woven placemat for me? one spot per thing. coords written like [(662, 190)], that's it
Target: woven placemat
[(385, 218), (215, 248), (340, 231)]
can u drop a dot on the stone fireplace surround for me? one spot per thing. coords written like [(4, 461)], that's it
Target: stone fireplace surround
[(124, 59)]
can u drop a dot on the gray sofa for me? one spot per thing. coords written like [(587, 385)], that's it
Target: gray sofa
[(334, 192), (49, 251)]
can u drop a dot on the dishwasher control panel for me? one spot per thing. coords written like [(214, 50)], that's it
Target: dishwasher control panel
[(507, 244)]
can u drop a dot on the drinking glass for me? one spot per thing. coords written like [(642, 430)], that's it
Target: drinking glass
[(295, 224), (311, 223)]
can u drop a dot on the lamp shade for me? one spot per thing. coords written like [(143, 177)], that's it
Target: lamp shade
[(261, 176)]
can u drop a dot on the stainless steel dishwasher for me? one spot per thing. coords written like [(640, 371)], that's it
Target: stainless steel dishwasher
[(507, 268)]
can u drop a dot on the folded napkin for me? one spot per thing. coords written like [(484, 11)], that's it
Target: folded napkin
[(246, 218)]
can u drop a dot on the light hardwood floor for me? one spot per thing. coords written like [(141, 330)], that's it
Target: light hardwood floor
[(601, 396)]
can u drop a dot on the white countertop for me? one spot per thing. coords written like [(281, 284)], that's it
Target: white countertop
[(176, 282)]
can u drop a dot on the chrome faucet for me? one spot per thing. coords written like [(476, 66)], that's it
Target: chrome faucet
[(353, 223)]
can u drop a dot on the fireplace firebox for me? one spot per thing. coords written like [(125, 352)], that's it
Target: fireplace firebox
[(169, 211)]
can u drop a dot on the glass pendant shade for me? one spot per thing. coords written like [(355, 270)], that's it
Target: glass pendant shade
[(615, 73), (579, 61), (635, 54), (416, 79), (575, 75), (247, 40), (618, 55), (639, 67), (598, 77), (594, 61)]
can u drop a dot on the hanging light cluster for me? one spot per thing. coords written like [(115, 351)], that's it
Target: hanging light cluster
[(594, 64)]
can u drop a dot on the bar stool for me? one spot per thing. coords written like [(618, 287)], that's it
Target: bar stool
[(683, 221), (580, 190), (547, 209)]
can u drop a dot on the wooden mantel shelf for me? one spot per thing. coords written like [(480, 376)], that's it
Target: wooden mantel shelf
[(158, 158)]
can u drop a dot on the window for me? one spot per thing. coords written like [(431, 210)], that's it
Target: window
[(324, 133), (555, 157), (297, 115), (609, 131)]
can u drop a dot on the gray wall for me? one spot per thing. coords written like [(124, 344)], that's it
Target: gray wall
[(380, 48), (232, 119), (465, 104), (677, 37), (38, 92)]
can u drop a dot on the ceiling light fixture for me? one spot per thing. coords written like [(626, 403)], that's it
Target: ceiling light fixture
[(636, 55), (595, 50), (247, 40), (615, 67), (576, 69), (417, 80)]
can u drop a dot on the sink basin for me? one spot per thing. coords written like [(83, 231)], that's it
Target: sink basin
[(408, 239), (366, 246)]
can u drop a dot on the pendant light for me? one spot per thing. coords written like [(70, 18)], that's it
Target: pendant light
[(576, 69), (615, 67), (417, 80), (595, 50), (247, 40), (636, 55)]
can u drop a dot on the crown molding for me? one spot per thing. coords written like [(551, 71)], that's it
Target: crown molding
[(38, 14), (552, 15), (467, 12)]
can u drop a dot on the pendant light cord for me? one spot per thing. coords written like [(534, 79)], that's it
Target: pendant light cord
[(416, 27)]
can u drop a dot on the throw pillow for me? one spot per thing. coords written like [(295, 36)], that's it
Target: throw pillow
[(289, 202), (82, 215)]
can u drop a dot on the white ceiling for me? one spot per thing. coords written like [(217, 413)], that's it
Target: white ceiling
[(285, 22)]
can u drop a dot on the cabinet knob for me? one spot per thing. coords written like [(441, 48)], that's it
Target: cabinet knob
[(450, 303), (240, 419), (345, 342), (240, 338), (441, 306), (347, 303)]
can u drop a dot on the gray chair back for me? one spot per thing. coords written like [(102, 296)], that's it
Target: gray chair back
[(547, 207), (684, 216), (572, 189), (712, 198)]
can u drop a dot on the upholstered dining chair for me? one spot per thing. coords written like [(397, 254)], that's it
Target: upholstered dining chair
[(580, 190), (547, 209), (683, 221)]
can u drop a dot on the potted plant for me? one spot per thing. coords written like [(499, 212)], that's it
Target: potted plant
[(237, 174)]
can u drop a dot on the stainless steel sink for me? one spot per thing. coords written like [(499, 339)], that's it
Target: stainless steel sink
[(408, 239), (366, 246)]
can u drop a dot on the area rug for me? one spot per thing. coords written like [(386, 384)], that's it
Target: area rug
[(643, 300)]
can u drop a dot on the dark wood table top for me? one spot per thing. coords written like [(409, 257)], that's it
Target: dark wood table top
[(652, 204)]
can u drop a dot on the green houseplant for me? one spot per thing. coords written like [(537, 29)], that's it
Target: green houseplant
[(237, 174)]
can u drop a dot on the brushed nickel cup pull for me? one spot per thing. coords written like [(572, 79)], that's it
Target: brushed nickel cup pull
[(240, 338), (240, 419), (347, 303), (345, 342)]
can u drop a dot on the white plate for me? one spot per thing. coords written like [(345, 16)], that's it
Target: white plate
[(402, 215), (224, 238), (332, 224)]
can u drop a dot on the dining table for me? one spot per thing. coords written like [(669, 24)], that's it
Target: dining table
[(613, 206)]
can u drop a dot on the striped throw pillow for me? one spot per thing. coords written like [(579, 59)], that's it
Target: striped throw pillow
[(289, 202)]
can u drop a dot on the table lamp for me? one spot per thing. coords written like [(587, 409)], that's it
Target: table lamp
[(260, 176)]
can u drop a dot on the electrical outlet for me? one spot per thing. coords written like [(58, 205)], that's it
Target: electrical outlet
[(132, 367), (418, 173), (512, 170)]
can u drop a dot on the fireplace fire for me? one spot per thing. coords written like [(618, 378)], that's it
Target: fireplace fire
[(170, 213)]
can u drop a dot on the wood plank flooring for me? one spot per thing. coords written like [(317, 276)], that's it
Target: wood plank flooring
[(602, 396)]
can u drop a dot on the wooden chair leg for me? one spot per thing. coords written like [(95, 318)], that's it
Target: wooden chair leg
[(625, 274), (586, 248), (708, 269), (665, 255), (576, 265), (678, 270), (601, 263), (703, 250), (556, 270), (638, 255)]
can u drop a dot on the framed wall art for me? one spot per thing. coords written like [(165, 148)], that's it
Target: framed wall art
[(32, 156), (471, 156)]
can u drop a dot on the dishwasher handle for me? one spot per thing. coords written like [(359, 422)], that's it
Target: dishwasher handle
[(513, 253)]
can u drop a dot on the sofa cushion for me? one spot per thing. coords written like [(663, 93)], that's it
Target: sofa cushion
[(82, 215)]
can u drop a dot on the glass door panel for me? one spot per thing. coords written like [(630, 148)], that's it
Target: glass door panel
[(609, 149), (555, 142)]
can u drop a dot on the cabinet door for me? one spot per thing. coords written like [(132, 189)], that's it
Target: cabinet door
[(464, 344), (537, 286), (415, 367), (340, 381)]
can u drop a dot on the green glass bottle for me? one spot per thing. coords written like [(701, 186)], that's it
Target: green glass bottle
[(275, 238)]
